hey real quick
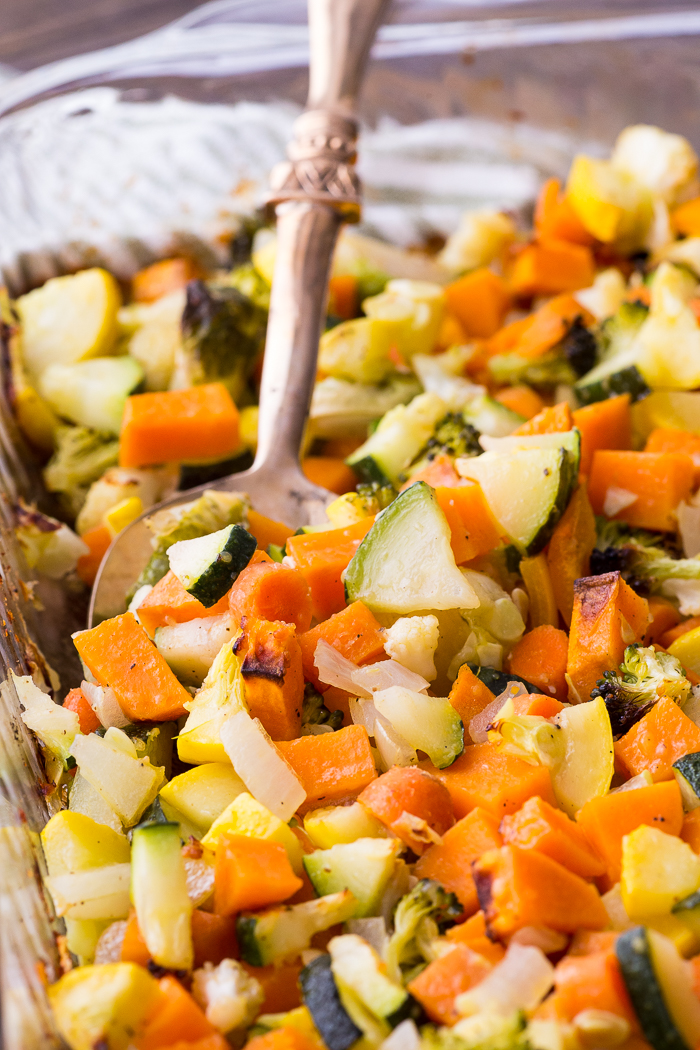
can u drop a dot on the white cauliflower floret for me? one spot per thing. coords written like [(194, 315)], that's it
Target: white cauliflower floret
[(412, 642), (479, 238), (666, 164), (229, 996), (605, 296)]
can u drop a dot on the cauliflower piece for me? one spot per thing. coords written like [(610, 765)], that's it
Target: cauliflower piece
[(669, 339), (229, 996), (666, 164), (605, 296), (412, 642), (479, 238)]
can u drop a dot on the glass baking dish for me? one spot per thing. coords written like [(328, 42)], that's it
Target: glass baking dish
[(122, 155)]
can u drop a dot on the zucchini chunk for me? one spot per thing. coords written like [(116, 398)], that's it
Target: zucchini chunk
[(356, 965), (686, 770), (660, 989), (281, 933), (405, 562), (489, 416), (398, 439), (609, 379), (569, 440), (159, 893), (527, 490), (92, 393), (320, 995), (428, 723), (364, 867), (207, 566)]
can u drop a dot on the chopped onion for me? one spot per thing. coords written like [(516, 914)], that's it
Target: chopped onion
[(386, 673), (97, 893), (542, 937), (519, 982), (688, 594), (372, 930), (480, 723), (267, 775), (363, 713), (612, 902), (103, 701), (140, 596), (404, 1037), (109, 946), (616, 499), (200, 880), (691, 707), (335, 669), (393, 748)]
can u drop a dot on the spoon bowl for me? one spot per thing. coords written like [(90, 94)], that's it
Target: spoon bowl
[(315, 190)]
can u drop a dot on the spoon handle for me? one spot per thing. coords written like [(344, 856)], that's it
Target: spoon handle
[(315, 190)]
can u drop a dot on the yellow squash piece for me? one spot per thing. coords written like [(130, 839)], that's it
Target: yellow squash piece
[(73, 842), (121, 515), (333, 824), (202, 794), (589, 759), (69, 319), (103, 1005), (359, 350), (687, 650), (669, 339), (246, 816), (609, 202), (221, 695), (658, 870)]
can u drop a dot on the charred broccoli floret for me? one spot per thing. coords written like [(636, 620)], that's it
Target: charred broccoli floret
[(546, 372), (419, 918), (645, 676), (580, 347), (315, 713), (222, 333), (487, 1030), (377, 496), (647, 560), (81, 457), (453, 436)]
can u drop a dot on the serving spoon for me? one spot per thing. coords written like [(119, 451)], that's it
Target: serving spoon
[(315, 190)]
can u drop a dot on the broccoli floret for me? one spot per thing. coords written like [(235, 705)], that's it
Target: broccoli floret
[(580, 347), (546, 372), (645, 677), (453, 436), (81, 457), (420, 916), (222, 333), (315, 713), (211, 512), (484, 1031), (378, 497), (241, 244), (646, 560), (249, 283)]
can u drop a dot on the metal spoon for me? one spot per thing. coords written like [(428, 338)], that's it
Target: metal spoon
[(315, 191)]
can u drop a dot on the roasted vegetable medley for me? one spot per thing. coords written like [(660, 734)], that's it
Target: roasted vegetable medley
[(425, 777)]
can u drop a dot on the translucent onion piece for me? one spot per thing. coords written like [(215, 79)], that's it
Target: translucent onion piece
[(98, 893), (334, 669), (386, 673), (394, 750), (689, 527), (479, 723), (519, 982), (104, 703), (263, 770)]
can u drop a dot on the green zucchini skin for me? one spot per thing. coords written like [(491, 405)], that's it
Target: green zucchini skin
[(247, 941), (320, 995), (208, 566), (497, 681), (634, 956), (627, 381), (687, 772)]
